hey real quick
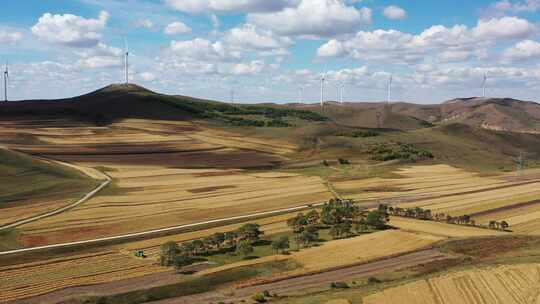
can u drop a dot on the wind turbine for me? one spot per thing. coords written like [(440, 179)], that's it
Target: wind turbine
[(301, 94), (341, 89), (389, 88), (6, 79), (323, 79), (484, 82), (126, 60)]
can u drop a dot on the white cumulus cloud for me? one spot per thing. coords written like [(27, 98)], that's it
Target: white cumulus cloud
[(70, 30), (314, 18), (523, 50), (394, 12), (250, 37), (177, 28), (199, 6), (10, 37)]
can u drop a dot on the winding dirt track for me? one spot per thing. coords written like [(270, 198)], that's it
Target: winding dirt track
[(95, 174), (292, 285)]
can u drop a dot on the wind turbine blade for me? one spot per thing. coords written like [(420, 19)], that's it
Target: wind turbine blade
[(126, 46)]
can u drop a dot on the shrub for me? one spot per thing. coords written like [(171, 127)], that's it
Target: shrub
[(373, 280), (343, 161), (259, 298), (339, 285)]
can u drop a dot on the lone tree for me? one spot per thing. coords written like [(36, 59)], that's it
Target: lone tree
[(244, 248), (504, 225), (169, 251)]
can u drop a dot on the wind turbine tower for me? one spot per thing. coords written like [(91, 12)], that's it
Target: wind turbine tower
[(126, 60), (389, 88), (520, 164), (6, 78), (341, 89), (232, 96), (301, 94), (323, 79), (484, 82)]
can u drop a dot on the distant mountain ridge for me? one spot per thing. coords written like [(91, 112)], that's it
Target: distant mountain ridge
[(132, 101)]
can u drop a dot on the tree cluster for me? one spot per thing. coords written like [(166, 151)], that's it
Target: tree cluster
[(341, 217), (400, 151), (240, 240)]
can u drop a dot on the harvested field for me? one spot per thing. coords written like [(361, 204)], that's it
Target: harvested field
[(361, 249), (180, 143), (444, 189), (27, 280), (503, 284), (164, 197), (345, 252), (114, 263), (440, 229)]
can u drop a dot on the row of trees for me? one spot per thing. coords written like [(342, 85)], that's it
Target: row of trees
[(240, 240), (426, 214)]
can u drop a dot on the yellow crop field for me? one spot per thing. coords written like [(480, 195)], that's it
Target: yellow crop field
[(444, 189), (345, 252), (27, 280), (440, 229), (509, 284), (149, 197), (361, 249)]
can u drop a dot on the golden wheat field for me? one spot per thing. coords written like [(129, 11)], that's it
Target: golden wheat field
[(508, 284), (149, 197), (27, 280), (445, 189), (345, 252), (114, 263)]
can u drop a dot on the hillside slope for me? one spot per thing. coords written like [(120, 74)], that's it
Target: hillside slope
[(30, 186)]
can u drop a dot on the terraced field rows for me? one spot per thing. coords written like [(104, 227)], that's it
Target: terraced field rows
[(27, 280), (444, 189), (149, 197), (508, 284)]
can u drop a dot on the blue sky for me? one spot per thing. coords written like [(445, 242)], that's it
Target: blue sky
[(267, 50)]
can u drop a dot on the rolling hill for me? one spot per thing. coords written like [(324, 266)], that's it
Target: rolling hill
[(472, 132)]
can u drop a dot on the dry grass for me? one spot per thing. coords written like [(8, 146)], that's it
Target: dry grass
[(507, 284), (440, 229)]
